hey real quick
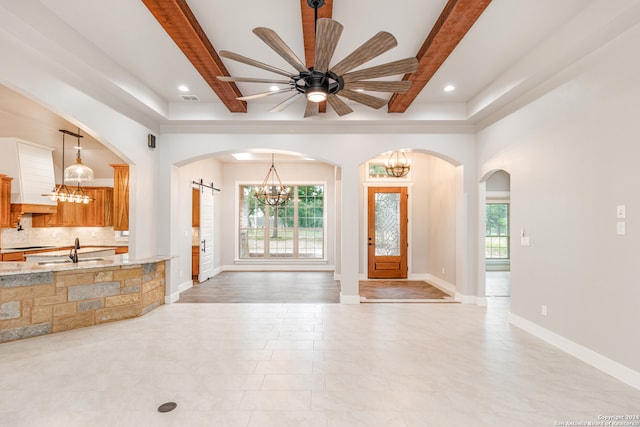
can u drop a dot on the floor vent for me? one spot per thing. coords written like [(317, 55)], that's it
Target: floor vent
[(189, 97)]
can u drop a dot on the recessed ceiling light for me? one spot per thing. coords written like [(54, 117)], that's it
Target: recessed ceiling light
[(183, 88), (449, 88), (359, 90), (274, 88)]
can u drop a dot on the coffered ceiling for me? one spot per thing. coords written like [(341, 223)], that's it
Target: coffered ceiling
[(134, 54)]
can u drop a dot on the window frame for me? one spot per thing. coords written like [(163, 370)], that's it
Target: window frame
[(508, 230), (281, 260)]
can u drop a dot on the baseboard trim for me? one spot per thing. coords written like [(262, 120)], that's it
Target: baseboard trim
[(276, 267), (349, 299), (606, 365), (170, 299)]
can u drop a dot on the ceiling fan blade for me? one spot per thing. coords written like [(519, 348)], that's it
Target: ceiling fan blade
[(274, 41), (376, 45), (363, 98), (311, 110), (254, 63), (339, 105), (252, 80), (379, 86), (402, 66), (284, 104), (328, 33), (263, 94)]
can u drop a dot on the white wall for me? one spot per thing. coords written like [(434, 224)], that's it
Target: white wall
[(347, 152), (573, 157)]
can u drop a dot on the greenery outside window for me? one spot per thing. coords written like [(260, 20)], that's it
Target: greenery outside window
[(292, 231), (497, 231)]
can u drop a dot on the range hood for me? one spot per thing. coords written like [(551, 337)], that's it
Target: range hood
[(31, 167)]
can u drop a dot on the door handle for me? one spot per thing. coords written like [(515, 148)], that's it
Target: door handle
[(204, 246)]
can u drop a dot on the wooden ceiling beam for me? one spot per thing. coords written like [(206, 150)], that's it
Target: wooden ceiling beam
[(181, 25), (454, 22), (309, 33)]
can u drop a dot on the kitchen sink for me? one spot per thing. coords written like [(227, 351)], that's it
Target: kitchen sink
[(54, 261), (68, 261)]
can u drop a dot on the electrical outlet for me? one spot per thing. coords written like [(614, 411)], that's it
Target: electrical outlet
[(621, 211), (543, 310), (443, 270)]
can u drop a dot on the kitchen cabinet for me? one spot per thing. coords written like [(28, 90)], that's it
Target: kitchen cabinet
[(195, 263), (97, 213), (195, 207), (120, 197), (13, 256), (22, 255), (5, 201)]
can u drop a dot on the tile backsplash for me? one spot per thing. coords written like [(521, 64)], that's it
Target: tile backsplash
[(56, 236)]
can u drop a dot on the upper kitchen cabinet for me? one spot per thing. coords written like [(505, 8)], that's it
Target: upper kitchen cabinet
[(5, 201), (120, 197), (97, 213)]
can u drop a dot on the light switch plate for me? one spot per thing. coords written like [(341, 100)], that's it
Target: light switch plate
[(621, 228)]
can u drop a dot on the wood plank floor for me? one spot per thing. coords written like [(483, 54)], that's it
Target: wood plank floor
[(300, 287), (265, 287), (400, 290)]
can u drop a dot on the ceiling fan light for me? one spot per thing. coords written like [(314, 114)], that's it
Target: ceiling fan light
[(316, 95)]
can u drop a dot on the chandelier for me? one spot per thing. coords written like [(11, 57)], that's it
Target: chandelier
[(63, 193), (397, 165), (272, 192)]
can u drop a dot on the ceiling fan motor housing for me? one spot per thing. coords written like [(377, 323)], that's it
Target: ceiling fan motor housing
[(328, 82)]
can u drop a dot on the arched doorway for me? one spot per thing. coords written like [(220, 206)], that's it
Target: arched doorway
[(497, 235)]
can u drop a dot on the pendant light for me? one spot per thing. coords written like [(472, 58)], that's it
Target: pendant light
[(78, 172), (61, 192), (272, 192), (397, 165)]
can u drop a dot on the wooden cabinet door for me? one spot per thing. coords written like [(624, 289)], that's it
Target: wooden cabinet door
[(96, 213), (120, 197), (195, 263), (13, 256), (195, 207), (5, 201)]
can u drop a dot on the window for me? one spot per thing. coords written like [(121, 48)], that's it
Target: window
[(293, 231), (497, 231)]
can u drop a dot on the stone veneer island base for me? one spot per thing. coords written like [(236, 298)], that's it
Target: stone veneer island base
[(41, 302)]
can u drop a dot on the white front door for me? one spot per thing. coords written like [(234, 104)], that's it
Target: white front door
[(206, 234)]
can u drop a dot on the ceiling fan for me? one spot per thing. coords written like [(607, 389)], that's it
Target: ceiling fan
[(323, 82)]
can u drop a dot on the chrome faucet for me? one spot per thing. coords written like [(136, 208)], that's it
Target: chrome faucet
[(73, 254)]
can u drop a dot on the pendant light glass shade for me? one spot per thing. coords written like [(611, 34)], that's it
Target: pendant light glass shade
[(78, 172)]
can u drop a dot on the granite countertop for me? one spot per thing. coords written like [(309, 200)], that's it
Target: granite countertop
[(11, 268), (36, 248)]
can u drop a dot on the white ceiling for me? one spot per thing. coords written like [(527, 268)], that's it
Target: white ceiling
[(118, 47)]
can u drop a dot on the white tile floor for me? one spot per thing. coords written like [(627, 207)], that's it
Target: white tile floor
[(304, 365)]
